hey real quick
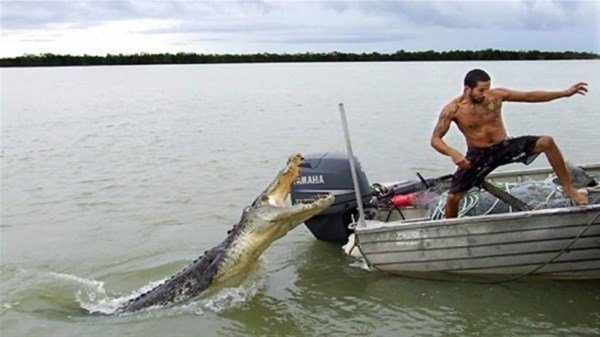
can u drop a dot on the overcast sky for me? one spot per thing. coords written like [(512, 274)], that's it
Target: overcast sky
[(101, 27)]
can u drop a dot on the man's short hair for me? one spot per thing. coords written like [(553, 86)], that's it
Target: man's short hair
[(474, 76)]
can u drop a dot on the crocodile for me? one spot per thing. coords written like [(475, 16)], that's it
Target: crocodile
[(264, 221)]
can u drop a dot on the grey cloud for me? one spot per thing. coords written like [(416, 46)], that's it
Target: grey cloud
[(535, 15), (41, 14), (524, 14), (391, 23)]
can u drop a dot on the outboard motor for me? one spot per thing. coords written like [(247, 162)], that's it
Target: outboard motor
[(329, 173)]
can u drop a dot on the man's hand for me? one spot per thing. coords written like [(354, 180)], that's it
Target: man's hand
[(579, 88), (460, 161)]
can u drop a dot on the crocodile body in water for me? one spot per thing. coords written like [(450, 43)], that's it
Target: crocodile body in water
[(265, 221)]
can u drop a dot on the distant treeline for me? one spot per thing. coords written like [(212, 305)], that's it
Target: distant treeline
[(188, 58)]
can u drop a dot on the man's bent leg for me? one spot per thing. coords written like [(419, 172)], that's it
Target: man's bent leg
[(547, 145), (452, 201)]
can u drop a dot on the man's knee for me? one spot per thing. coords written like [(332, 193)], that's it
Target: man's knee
[(545, 143)]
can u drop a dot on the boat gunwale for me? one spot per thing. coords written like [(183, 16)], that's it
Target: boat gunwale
[(535, 171)]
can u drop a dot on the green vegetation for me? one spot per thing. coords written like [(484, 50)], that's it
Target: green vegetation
[(188, 58)]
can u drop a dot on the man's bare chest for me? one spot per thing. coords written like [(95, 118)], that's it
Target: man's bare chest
[(478, 115)]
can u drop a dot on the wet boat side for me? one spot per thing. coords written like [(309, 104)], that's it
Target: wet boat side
[(501, 244)]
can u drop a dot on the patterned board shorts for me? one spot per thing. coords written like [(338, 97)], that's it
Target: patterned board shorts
[(485, 160)]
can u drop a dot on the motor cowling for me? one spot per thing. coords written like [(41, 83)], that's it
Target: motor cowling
[(329, 173)]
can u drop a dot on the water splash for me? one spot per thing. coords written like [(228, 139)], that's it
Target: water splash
[(93, 296), (238, 296), (95, 299)]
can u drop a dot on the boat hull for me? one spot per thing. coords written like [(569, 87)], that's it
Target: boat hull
[(562, 243)]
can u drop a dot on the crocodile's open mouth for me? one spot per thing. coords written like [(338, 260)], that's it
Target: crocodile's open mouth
[(281, 186), (276, 193)]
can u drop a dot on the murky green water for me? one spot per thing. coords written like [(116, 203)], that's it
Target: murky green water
[(116, 177)]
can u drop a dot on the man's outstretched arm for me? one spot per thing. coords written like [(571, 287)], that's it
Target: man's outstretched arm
[(540, 96)]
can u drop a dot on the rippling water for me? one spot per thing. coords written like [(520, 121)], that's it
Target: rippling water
[(114, 178)]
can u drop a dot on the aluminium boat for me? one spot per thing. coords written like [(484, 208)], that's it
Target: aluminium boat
[(405, 237)]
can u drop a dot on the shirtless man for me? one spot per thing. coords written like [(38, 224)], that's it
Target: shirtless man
[(478, 115)]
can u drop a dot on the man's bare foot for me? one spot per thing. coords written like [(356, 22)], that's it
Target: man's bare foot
[(578, 196)]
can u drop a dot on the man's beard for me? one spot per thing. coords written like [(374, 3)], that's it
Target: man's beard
[(477, 100)]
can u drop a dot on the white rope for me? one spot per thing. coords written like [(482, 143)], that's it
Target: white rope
[(472, 199), (467, 203)]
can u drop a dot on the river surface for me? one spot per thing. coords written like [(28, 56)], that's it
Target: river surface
[(114, 178)]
